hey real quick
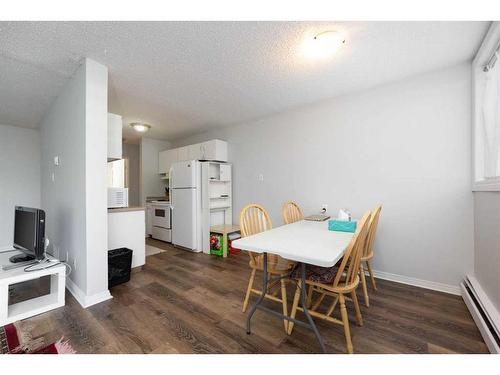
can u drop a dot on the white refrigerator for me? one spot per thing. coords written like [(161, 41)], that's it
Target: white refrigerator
[(185, 201)]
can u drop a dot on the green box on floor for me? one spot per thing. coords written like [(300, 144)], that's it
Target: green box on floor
[(216, 244)]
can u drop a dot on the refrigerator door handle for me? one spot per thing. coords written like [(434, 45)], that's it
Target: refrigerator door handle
[(170, 192)]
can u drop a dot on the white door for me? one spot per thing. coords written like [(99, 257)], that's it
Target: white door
[(183, 174), (184, 218)]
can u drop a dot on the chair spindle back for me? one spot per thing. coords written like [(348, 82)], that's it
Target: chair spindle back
[(352, 256), (291, 212), (255, 219), (372, 231)]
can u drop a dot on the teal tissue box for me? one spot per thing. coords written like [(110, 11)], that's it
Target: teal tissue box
[(342, 226)]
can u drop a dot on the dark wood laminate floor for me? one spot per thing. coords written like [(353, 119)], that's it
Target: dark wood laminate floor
[(191, 303)]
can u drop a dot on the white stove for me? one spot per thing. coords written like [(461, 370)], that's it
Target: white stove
[(161, 220)]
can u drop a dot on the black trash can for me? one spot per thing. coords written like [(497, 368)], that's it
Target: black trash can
[(119, 265)]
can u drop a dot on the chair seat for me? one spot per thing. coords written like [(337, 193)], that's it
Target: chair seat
[(317, 274)]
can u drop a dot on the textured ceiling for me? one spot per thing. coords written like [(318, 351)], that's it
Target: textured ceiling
[(182, 77)]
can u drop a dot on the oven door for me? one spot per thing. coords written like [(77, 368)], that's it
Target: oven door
[(161, 217)]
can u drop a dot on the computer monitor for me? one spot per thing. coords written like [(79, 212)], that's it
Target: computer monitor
[(29, 234)]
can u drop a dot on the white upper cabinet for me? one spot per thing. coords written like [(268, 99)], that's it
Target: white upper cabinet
[(114, 136), (166, 159), (195, 152), (183, 153), (214, 150), (162, 162)]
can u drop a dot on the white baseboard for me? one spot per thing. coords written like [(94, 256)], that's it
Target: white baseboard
[(84, 300), (446, 288), (488, 309)]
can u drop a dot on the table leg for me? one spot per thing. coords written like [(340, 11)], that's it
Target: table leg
[(261, 298), (304, 307)]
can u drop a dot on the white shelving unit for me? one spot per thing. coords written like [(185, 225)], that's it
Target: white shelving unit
[(217, 203), (33, 306)]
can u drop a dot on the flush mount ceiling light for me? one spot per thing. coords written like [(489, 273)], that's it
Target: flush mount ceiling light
[(323, 45), (140, 127)]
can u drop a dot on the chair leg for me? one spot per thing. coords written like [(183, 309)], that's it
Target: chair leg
[(359, 318), (249, 290), (294, 306), (309, 296), (363, 284), (345, 321), (285, 303), (371, 274)]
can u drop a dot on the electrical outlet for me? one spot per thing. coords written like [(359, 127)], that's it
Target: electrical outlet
[(53, 177), (67, 256), (261, 177), (324, 208), (74, 264)]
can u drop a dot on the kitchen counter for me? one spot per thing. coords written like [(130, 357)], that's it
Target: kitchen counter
[(126, 209), (158, 203), (126, 227), (153, 199)]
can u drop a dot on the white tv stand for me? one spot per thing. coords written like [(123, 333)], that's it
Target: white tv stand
[(34, 306)]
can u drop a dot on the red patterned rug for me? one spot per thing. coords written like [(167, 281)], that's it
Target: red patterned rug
[(14, 341)]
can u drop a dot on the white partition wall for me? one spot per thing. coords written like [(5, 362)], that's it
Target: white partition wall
[(74, 129)]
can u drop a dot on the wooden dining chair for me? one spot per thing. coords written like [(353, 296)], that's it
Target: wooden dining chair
[(255, 219), (291, 212), (368, 254), (338, 282)]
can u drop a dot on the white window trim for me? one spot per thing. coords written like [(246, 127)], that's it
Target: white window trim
[(487, 48), (486, 185)]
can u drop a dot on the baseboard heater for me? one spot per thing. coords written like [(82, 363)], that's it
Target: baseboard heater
[(484, 313)]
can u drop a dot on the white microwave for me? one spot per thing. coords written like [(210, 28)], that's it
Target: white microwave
[(117, 197)]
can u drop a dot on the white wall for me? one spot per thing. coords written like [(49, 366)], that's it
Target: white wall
[(405, 145), (487, 243), (19, 176), (151, 184), (96, 196), (131, 151), (75, 129), (63, 134)]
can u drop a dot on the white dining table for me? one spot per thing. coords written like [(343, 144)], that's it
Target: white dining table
[(305, 242)]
